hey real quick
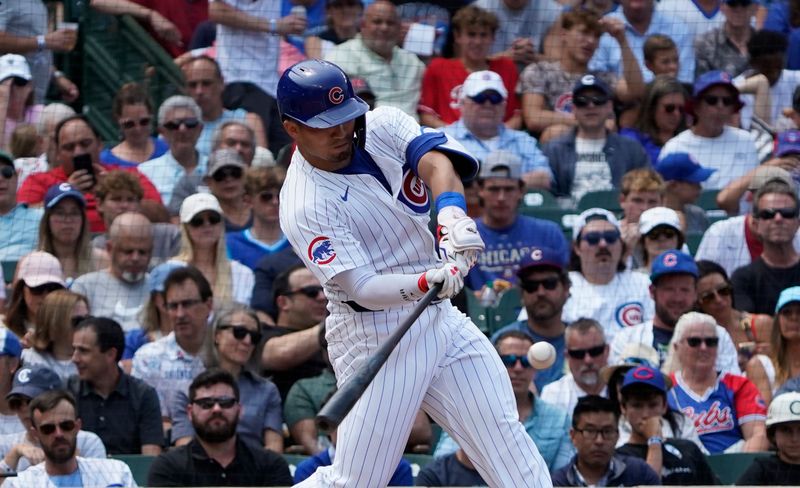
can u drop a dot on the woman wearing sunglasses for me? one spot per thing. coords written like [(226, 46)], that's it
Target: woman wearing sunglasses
[(133, 112), (16, 96), (203, 246), (225, 179), (38, 274), (661, 116), (750, 332), (727, 409), (51, 339), (660, 231), (236, 334), (771, 369)]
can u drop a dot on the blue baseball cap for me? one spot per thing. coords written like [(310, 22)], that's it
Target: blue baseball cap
[(673, 262), (9, 344), (788, 143), (712, 79), (60, 191), (158, 275), (31, 381), (541, 257), (645, 375), (590, 81), (788, 296), (682, 167)]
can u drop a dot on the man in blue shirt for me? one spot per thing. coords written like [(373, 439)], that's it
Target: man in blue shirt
[(19, 224)]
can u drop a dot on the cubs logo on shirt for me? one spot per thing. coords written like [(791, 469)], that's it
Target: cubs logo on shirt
[(563, 103), (413, 193), (629, 313), (320, 251)]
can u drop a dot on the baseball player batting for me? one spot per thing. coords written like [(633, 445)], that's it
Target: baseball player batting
[(355, 206)]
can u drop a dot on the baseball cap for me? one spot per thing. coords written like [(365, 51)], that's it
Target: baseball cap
[(633, 354), (222, 158), (765, 174), (788, 143), (646, 375), (590, 81), (713, 78), (541, 257), (158, 275), (199, 202), (673, 262), (9, 344), (40, 268), (653, 217), (589, 215), (14, 65), (501, 164), (60, 191), (480, 81), (32, 381), (787, 296), (682, 167), (784, 408)]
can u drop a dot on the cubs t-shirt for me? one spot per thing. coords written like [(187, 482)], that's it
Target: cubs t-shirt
[(592, 172)]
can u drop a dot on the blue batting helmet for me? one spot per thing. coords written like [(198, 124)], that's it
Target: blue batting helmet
[(318, 94)]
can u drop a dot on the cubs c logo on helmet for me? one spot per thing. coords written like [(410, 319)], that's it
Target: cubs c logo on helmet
[(320, 251), (336, 95)]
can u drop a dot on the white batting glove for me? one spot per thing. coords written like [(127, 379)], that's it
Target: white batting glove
[(459, 240), (450, 276)]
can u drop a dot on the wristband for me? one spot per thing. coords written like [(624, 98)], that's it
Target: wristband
[(422, 283), (655, 440), (273, 26), (41, 44), (451, 199)]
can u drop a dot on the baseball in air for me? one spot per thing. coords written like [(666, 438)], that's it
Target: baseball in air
[(542, 355)]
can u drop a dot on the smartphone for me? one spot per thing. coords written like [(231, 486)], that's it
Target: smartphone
[(84, 162)]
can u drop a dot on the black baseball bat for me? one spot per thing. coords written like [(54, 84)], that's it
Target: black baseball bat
[(345, 397)]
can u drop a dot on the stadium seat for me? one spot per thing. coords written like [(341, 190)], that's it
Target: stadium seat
[(506, 310), (9, 268), (607, 199), (728, 467), (539, 198), (477, 312), (693, 241), (139, 464), (708, 200)]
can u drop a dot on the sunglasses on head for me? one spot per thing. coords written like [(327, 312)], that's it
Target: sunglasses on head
[(593, 238), (491, 95), (130, 123), (510, 360), (64, 425), (212, 218), (770, 213), (17, 81), (44, 289), (225, 172), (240, 332), (533, 285), (311, 291), (268, 196), (592, 351), (707, 297), (715, 100), (696, 341), (208, 403), (665, 233), (190, 123), (7, 172), (584, 101), (671, 107)]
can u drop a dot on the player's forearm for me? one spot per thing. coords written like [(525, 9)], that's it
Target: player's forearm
[(377, 292), (222, 13)]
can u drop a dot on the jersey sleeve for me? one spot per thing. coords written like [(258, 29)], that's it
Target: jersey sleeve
[(746, 398)]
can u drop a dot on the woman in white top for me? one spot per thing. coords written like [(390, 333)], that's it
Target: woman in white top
[(203, 246)]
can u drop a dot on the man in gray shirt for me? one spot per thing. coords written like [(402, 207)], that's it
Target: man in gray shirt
[(523, 26)]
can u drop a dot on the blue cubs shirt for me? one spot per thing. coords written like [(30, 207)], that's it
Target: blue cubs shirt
[(248, 250)]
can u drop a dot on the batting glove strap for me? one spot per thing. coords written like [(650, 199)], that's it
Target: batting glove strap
[(450, 276)]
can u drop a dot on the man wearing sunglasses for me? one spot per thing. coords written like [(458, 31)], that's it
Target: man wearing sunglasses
[(122, 410), (217, 456), (481, 130), (179, 123), (673, 287), (19, 224), (775, 219), (590, 157), (711, 140)]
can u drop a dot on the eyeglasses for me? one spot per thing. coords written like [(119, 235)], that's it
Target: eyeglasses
[(671, 107), (44, 289), (715, 100), (738, 3), (696, 341), (707, 297), (208, 403), (532, 285), (592, 351), (17, 81), (510, 360), (78, 319), (593, 238), (607, 433), (227, 172), (311, 291), (174, 306), (240, 332), (7, 172), (491, 95), (65, 426), (268, 196), (770, 213), (212, 218), (584, 101), (189, 123), (658, 234), (130, 124)]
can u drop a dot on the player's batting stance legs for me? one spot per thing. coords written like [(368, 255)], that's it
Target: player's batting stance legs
[(356, 210)]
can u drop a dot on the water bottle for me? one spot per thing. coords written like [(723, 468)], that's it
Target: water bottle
[(488, 296)]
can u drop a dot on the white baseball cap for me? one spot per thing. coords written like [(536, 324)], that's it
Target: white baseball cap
[(480, 81), (199, 202), (589, 215), (14, 65), (653, 217), (784, 408), (40, 268)]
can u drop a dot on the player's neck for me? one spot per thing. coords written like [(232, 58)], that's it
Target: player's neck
[(330, 166)]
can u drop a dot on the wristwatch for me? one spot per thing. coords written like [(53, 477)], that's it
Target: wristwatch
[(655, 440), (41, 44)]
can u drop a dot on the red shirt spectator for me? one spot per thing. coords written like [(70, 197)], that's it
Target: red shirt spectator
[(185, 14)]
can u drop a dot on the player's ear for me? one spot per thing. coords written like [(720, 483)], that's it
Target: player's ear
[(290, 127)]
